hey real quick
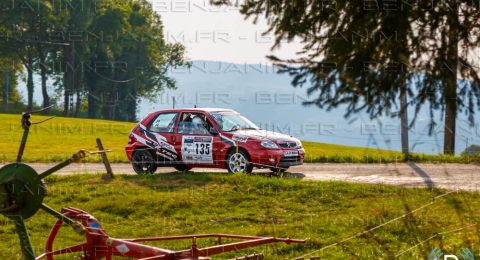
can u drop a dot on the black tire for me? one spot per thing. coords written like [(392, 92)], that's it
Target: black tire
[(143, 162), (182, 168), (279, 170), (239, 162)]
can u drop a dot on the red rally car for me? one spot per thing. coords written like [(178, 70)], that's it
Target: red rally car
[(209, 138)]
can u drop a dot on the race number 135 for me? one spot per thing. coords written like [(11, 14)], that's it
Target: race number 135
[(202, 148)]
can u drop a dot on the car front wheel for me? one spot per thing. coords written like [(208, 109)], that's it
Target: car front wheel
[(239, 162), (143, 162)]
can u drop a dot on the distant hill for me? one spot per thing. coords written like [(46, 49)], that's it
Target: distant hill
[(472, 150)]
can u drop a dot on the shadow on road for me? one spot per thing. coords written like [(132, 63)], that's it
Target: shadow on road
[(296, 175), (426, 178)]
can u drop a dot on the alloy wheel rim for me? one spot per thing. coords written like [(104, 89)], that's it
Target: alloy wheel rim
[(237, 162), (143, 162)]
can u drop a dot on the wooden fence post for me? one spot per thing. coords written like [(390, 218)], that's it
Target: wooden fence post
[(109, 174)]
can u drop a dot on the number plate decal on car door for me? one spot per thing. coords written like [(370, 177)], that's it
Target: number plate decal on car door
[(197, 149)]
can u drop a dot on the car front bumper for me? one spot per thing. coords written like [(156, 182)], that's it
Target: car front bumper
[(278, 158)]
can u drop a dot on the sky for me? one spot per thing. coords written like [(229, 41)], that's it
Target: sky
[(218, 33)]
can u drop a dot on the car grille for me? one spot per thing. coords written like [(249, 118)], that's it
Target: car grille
[(290, 159), (288, 145)]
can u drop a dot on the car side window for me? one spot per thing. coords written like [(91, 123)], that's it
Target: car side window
[(194, 124), (164, 123)]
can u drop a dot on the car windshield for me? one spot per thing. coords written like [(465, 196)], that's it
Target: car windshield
[(231, 121)]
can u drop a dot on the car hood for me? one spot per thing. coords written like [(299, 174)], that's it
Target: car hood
[(263, 134)]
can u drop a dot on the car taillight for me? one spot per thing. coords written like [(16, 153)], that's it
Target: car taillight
[(131, 139)]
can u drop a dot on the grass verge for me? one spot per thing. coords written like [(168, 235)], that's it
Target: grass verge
[(322, 212)]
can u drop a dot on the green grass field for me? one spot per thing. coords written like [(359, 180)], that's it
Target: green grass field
[(322, 212), (57, 139)]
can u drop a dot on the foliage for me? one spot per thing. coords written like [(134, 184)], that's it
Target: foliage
[(108, 53), (12, 72), (133, 35)]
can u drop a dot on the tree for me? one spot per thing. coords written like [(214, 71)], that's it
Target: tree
[(351, 57), (138, 58), (9, 72), (445, 42), (112, 53), (20, 25), (76, 20), (45, 21), (9, 69), (348, 50), (24, 31)]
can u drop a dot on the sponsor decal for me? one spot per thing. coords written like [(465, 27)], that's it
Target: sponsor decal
[(197, 149), (227, 140), (240, 138), (157, 141)]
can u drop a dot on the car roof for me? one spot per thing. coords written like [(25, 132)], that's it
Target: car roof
[(208, 110)]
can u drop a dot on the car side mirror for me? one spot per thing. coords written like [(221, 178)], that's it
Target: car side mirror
[(213, 131)]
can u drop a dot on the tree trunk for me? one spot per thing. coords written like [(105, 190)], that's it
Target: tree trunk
[(92, 105), (66, 94), (66, 84), (109, 103), (404, 122), (450, 116), (43, 76), (450, 87), (132, 112), (30, 84), (7, 90), (69, 79), (78, 103), (92, 96), (43, 70), (29, 65)]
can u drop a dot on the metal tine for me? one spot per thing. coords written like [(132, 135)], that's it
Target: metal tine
[(38, 111), (98, 152), (43, 121)]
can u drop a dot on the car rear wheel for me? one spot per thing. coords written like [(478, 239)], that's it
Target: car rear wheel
[(143, 162), (182, 168), (239, 162)]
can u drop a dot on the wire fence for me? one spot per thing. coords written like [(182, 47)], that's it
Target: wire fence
[(359, 234)]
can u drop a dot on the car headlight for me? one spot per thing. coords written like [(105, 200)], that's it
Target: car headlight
[(269, 144), (299, 143)]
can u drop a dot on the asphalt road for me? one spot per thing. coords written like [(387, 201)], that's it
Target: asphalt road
[(447, 176)]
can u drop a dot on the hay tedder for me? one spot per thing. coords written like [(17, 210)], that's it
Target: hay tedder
[(22, 191)]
